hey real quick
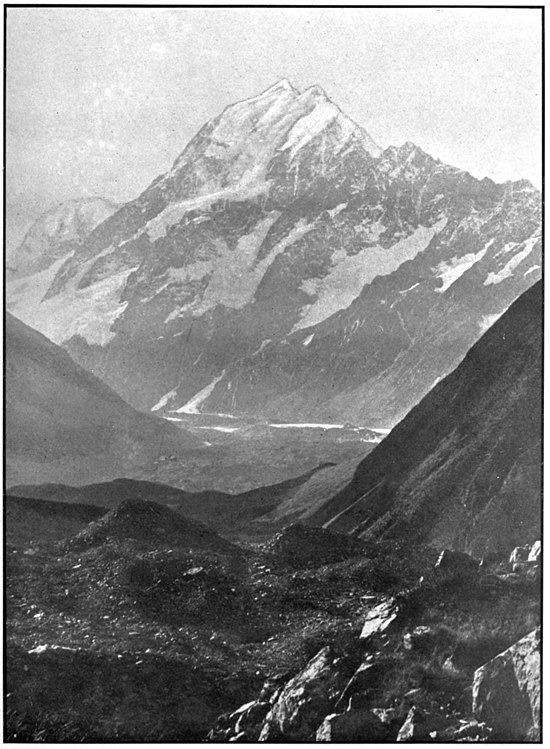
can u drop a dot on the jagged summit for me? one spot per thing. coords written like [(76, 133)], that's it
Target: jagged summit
[(282, 86), (255, 129)]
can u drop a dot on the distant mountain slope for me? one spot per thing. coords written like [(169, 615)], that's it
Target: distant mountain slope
[(63, 424), (287, 267), (27, 519), (57, 232), (463, 469), (219, 510)]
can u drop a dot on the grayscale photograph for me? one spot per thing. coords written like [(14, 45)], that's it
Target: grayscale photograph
[(273, 326)]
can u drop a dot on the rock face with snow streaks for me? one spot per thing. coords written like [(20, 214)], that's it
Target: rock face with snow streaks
[(285, 265)]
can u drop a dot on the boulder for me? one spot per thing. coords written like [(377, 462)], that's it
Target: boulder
[(456, 561), (272, 686), (244, 724), (379, 619), (534, 554), (422, 726), (356, 725), (420, 638), (506, 691), (520, 554), (250, 720), (305, 700), (365, 678)]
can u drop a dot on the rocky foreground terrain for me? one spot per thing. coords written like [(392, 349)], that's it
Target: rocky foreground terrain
[(144, 625)]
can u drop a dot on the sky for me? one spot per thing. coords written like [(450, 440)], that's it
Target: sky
[(102, 100)]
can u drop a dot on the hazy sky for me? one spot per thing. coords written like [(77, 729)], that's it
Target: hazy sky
[(102, 100)]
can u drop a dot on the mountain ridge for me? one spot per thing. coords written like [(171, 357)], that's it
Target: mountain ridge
[(281, 268), (63, 423)]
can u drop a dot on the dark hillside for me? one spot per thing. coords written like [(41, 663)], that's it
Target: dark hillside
[(463, 469)]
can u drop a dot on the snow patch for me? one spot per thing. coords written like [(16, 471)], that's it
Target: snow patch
[(229, 430), (310, 126), (406, 291), (308, 340), (192, 405), (307, 426), (350, 273), (262, 346), (451, 270), (236, 274), (337, 209), (508, 270), (164, 400), (531, 269), (488, 320), (88, 312)]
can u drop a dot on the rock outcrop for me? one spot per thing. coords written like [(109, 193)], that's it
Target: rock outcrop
[(506, 691), (305, 700)]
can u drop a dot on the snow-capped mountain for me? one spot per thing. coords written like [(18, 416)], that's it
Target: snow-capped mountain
[(287, 266), (53, 235)]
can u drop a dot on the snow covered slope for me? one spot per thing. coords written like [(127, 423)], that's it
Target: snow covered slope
[(286, 266), (55, 234)]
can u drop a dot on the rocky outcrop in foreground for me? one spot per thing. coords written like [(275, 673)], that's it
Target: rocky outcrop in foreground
[(339, 695), (506, 691)]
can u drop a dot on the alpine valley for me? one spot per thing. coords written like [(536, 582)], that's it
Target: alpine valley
[(273, 447)]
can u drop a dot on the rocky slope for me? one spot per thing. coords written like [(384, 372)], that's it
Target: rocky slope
[(286, 266), (63, 424), (146, 626), (463, 469)]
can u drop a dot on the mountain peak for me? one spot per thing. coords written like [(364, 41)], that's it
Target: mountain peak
[(315, 92), (281, 86)]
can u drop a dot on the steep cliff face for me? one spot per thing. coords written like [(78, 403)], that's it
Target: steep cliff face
[(63, 424), (286, 266), (463, 469)]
